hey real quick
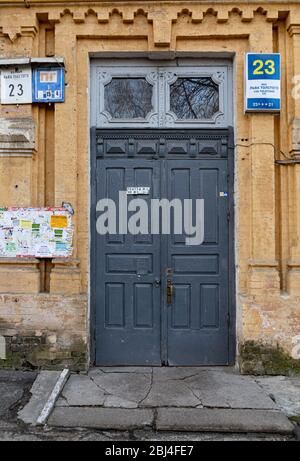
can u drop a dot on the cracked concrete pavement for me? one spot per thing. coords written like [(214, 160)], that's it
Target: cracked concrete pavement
[(164, 387), (132, 395), (174, 398)]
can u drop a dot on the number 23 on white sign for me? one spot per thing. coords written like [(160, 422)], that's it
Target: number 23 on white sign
[(16, 85)]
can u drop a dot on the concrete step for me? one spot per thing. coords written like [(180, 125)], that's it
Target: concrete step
[(223, 420), (102, 418), (174, 419)]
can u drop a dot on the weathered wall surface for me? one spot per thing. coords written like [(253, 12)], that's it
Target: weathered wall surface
[(43, 309), (44, 330)]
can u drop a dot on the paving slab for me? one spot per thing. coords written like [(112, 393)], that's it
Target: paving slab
[(80, 390), (219, 389), (128, 387), (102, 418), (113, 401), (171, 393), (284, 390), (41, 391), (223, 420)]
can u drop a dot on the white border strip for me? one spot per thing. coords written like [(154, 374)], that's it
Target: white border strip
[(45, 413)]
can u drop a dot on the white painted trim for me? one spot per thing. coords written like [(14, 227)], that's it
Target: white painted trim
[(46, 411)]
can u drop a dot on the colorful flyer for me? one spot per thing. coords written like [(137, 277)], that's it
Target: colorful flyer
[(59, 222), (35, 232)]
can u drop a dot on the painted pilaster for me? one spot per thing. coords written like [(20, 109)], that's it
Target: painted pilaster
[(293, 276), (18, 149), (65, 154), (263, 267)]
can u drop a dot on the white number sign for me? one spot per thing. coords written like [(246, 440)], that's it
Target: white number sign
[(16, 85)]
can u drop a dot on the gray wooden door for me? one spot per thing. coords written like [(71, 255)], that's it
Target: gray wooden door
[(128, 313), (197, 318), (158, 301)]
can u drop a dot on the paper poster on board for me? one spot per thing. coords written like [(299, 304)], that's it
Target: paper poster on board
[(35, 232)]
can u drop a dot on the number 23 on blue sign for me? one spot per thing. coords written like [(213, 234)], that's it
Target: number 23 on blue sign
[(263, 66)]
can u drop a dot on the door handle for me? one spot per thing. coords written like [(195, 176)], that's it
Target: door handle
[(170, 290)]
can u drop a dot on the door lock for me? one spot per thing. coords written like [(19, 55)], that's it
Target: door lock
[(170, 290), (156, 283)]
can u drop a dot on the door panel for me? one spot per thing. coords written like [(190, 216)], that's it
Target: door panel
[(127, 297), (198, 315)]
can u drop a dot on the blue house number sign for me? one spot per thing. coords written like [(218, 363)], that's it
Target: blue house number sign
[(48, 84), (262, 82)]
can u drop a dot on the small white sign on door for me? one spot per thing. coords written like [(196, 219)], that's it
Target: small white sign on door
[(140, 190), (16, 85)]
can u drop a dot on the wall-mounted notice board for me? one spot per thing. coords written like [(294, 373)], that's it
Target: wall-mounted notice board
[(35, 232)]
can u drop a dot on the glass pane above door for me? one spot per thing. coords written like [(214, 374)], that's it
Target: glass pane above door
[(128, 98), (157, 96), (194, 98)]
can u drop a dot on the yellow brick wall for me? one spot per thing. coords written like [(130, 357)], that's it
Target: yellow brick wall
[(267, 196)]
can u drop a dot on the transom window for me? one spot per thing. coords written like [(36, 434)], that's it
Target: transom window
[(128, 98), (163, 97), (194, 98)]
